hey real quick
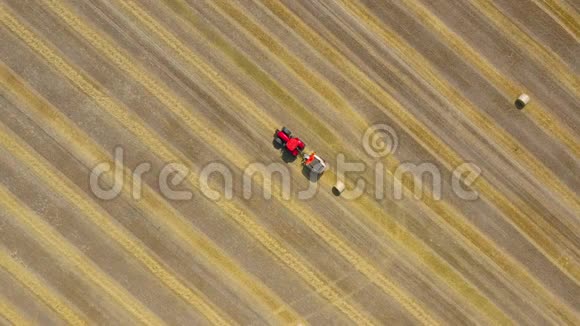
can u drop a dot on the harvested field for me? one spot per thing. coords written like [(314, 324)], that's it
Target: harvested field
[(153, 90)]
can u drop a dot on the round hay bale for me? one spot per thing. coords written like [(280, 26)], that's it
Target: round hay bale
[(338, 188), (522, 101)]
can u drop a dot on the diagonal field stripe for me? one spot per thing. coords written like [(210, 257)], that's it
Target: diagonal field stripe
[(200, 127), (72, 257), (406, 240), (106, 223), (479, 120), (476, 240), (91, 154), (367, 209), (563, 14), (12, 314), (37, 286), (134, 124), (432, 144), (540, 54), (93, 212), (541, 116)]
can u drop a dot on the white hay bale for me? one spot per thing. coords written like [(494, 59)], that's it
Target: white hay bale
[(338, 188), (522, 101)]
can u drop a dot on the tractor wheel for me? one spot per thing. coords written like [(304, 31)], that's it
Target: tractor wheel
[(279, 141), (286, 131)]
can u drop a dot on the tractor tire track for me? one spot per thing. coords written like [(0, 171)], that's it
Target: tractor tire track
[(91, 155), (152, 141), (429, 142), (72, 257), (35, 285)]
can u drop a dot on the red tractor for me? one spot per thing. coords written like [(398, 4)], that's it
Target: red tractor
[(283, 138)]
